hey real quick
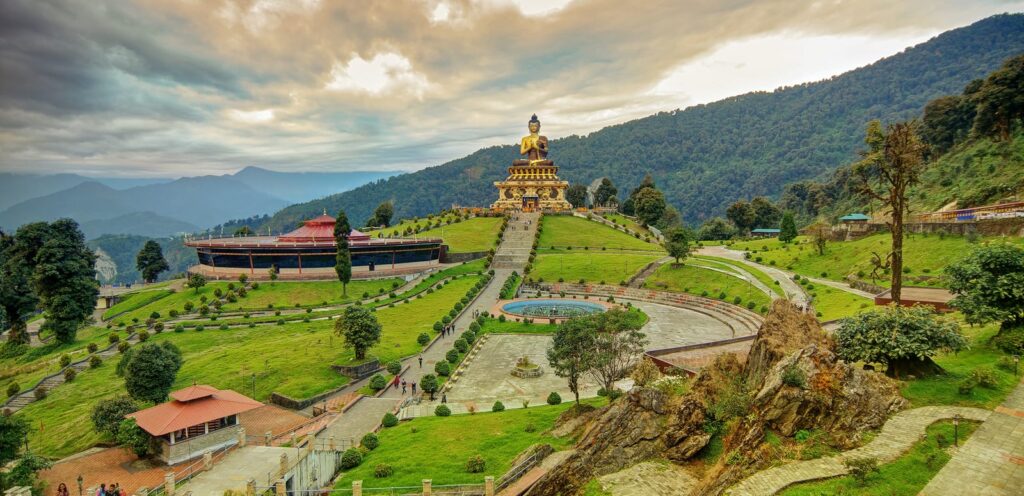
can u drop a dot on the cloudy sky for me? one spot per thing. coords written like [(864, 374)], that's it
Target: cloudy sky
[(187, 87)]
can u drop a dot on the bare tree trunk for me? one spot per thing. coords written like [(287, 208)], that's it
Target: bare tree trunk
[(897, 251)]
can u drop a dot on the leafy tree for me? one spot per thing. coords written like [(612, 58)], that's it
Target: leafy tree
[(108, 414), (649, 205), (131, 435), (716, 229), (618, 342), (677, 242), (360, 329), (196, 281), (820, 233), (429, 385), (572, 350), (19, 469), (892, 164), (343, 260), (576, 195), (150, 373), (742, 214), (766, 214), (243, 231), (13, 431), (1000, 100), (272, 273), (787, 230), (904, 339), (17, 299), (150, 261), (64, 279), (947, 120), (605, 194), (670, 218), (989, 285), (382, 215)]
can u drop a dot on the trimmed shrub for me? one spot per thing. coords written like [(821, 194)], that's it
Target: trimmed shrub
[(461, 345), (498, 407), (476, 464), (370, 441), (554, 398), (200, 328), (95, 361), (122, 346), (64, 361), (383, 470), (378, 382), (861, 468), (40, 392), (113, 338), (92, 347), (442, 368), (179, 328), (143, 336), (69, 375), (452, 356), (351, 458), (389, 420), (394, 367), (13, 389), (423, 339)]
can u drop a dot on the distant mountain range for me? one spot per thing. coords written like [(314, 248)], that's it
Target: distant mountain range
[(707, 156), (161, 207)]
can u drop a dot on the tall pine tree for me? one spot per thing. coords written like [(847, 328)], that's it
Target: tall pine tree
[(343, 262), (787, 230), (150, 261)]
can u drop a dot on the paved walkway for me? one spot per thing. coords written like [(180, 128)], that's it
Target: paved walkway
[(991, 462), (898, 434), (650, 478), (793, 290)]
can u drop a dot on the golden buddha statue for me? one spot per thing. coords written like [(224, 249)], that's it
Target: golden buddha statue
[(534, 146)]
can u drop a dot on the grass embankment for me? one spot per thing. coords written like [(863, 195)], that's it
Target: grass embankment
[(134, 301), (925, 256), (592, 266), (29, 367), (290, 294), (414, 224), (411, 448), (628, 223), (905, 476), (564, 230), (831, 303), (699, 281), (473, 235), (944, 389), (293, 359), (175, 301), (759, 275)]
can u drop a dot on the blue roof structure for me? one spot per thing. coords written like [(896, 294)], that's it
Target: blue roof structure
[(766, 231), (854, 217)]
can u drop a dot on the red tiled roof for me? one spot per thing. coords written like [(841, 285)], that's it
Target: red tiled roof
[(319, 229), (200, 404)]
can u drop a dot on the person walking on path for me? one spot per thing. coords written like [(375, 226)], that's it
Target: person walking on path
[(395, 382), (414, 388), (444, 398), (403, 386), (421, 366)]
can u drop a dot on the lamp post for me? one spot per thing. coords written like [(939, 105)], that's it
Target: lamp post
[(956, 430)]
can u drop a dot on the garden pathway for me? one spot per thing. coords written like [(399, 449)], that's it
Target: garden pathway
[(734, 271), (991, 462), (650, 478), (897, 436), (793, 290)]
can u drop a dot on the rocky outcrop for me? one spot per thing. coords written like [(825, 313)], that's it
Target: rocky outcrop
[(785, 330), (643, 424)]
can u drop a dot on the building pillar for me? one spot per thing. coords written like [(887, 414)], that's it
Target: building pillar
[(357, 488), (295, 440), (279, 488), (169, 483), (250, 487), (284, 464), (310, 442), (241, 437), (207, 460), (489, 485), (332, 444), (426, 487)]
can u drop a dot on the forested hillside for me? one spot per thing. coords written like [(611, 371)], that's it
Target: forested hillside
[(707, 156)]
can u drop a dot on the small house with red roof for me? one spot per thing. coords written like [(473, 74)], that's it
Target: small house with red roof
[(198, 418)]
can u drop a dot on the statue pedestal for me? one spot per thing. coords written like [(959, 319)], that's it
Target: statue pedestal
[(532, 187)]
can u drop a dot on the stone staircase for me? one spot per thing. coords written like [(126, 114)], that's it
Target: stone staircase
[(21, 400), (514, 251)]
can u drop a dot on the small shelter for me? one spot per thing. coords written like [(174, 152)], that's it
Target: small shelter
[(765, 233), (854, 219), (198, 418)]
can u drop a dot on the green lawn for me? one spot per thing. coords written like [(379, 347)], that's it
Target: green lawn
[(174, 301), (134, 301), (566, 230), (293, 359), (396, 230), (29, 367), (437, 448), (834, 303), (926, 256), (628, 223), (591, 265), (905, 476), (943, 389), (699, 281), (287, 294), (476, 234)]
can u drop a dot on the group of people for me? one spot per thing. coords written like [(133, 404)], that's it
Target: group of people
[(448, 330), (398, 381)]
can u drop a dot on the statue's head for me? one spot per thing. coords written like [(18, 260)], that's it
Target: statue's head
[(534, 124)]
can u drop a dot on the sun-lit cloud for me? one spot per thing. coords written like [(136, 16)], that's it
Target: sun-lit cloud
[(186, 87)]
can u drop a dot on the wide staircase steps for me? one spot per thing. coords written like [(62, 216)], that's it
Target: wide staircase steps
[(514, 251)]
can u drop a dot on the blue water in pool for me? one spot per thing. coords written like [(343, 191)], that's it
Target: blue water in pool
[(552, 308)]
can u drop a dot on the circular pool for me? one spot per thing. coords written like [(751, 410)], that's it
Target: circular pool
[(552, 308)]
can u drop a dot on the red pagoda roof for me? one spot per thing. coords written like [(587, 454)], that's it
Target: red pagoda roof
[(191, 406), (319, 229)]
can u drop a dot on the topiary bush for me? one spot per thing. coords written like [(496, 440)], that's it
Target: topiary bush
[(498, 407), (442, 411), (39, 393), (69, 375), (13, 389), (370, 441), (351, 458), (95, 361), (476, 464), (442, 368), (452, 356), (64, 361), (394, 367), (389, 420), (383, 470), (92, 347), (554, 398), (423, 339), (378, 382)]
